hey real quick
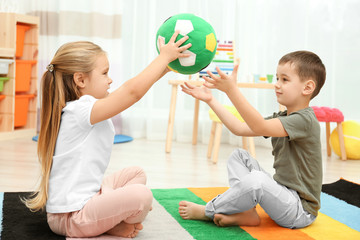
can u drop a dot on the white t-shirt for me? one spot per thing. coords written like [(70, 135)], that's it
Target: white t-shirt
[(81, 156)]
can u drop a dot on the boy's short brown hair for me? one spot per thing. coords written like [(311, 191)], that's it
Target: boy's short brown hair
[(308, 66)]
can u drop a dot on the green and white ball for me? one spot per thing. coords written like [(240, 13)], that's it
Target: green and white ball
[(201, 36)]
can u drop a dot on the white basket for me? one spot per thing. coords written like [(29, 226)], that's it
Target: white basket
[(4, 65)]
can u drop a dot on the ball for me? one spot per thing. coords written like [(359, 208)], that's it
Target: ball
[(201, 36), (351, 131)]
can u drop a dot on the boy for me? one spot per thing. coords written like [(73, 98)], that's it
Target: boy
[(292, 196)]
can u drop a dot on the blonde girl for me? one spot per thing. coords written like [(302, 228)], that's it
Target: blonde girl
[(75, 142)]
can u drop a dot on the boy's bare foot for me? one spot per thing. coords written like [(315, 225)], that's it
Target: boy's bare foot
[(126, 230), (190, 210), (247, 218)]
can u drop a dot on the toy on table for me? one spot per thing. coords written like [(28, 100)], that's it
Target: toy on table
[(201, 36), (224, 59), (351, 131)]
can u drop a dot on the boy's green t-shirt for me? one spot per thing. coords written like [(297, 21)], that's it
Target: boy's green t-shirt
[(298, 161)]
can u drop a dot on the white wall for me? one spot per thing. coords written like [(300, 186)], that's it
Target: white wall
[(263, 30)]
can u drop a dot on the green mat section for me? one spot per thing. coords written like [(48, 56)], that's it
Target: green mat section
[(170, 198)]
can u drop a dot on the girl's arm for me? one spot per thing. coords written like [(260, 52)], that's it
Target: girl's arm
[(255, 122), (135, 88)]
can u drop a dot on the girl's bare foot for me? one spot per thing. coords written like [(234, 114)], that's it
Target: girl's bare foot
[(126, 230), (247, 218), (190, 210)]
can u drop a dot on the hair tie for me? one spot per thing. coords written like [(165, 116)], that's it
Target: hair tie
[(50, 68)]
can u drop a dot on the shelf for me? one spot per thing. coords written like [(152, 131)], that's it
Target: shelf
[(7, 52), (8, 42), (21, 133)]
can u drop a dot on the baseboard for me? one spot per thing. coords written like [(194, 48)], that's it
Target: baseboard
[(20, 133)]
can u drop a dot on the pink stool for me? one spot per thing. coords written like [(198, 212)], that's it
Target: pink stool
[(327, 115)]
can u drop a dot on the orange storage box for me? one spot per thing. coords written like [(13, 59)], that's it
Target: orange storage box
[(21, 109), (20, 37), (23, 75), (2, 97)]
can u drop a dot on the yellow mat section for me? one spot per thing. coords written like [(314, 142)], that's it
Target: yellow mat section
[(326, 227)]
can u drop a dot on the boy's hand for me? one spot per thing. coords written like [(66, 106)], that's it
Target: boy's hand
[(222, 82), (202, 93), (172, 49)]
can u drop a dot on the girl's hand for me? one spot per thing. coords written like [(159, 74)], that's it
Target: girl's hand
[(202, 93), (222, 82), (172, 49)]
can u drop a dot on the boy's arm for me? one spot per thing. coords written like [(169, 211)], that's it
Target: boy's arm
[(232, 123), (259, 125), (236, 126), (256, 123)]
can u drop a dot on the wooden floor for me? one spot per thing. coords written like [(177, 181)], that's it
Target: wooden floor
[(185, 166)]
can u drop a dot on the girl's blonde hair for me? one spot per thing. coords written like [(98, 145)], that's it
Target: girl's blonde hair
[(57, 88)]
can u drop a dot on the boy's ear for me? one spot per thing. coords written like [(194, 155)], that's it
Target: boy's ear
[(79, 79), (309, 87)]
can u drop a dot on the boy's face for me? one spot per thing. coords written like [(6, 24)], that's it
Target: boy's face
[(288, 88)]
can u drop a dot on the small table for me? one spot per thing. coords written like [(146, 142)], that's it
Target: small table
[(175, 84)]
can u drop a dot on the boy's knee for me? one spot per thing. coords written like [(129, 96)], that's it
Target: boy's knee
[(259, 176), (256, 179), (238, 154)]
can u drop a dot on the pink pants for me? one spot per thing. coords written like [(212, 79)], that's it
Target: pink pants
[(123, 197)]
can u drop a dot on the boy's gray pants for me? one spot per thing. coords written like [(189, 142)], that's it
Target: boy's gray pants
[(250, 185)]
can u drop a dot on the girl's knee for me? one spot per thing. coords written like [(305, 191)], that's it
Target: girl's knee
[(141, 200), (141, 195), (135, 174), (139, 172)]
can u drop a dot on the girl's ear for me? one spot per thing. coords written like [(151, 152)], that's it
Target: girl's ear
[(309, 87), (79, 79)]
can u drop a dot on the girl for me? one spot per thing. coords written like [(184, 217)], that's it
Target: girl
[(76, 138)]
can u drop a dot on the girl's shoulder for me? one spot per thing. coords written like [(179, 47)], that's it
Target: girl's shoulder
[(78, 111), (82, 101)]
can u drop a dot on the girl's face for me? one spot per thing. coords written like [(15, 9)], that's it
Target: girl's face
[(98, 82)]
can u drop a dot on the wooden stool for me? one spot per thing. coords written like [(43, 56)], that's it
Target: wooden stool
[(327, 115), (215, 135)]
